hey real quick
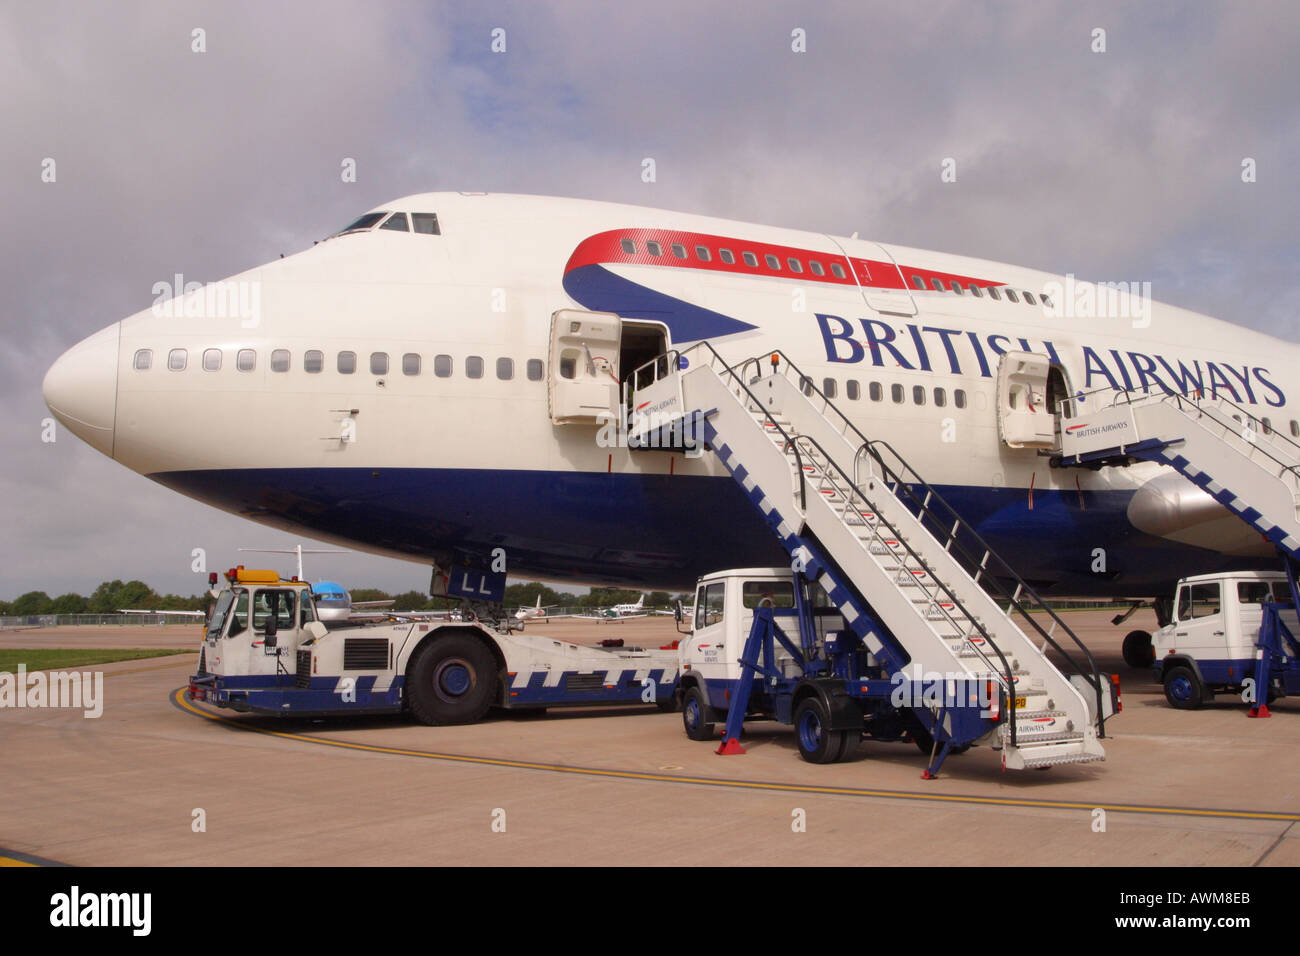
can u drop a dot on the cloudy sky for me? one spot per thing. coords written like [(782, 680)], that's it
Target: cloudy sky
[(1117, 165)]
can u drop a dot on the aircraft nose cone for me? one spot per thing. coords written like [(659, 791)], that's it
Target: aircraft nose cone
[(81, 388)]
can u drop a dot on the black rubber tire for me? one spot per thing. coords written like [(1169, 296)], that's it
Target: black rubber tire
[(817, 744), (695, 714), (1183, 689), (850, 745), (1139, 652), (666, 705), (452, 680)]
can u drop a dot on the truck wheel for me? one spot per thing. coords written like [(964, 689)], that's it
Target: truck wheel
[(1183, 689), (695, 715), (817, 743), (453, 680), (1138, 650)]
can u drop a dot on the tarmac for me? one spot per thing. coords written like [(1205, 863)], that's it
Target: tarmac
[(157, 780)]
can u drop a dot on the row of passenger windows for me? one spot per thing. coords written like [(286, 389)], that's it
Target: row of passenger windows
[(705, 254), (897, 393), (975, 290), (345, 363)]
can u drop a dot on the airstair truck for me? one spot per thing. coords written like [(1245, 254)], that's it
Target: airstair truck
[(265, 651), (1233, 632)]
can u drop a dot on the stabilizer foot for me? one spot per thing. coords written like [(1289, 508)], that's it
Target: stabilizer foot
[(1259, 710), (729, 747)]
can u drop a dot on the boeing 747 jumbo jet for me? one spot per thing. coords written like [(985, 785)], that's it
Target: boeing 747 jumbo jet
[(430, 383)]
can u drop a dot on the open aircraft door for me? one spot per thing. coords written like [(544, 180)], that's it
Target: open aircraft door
[(1025, 418), (589, 353)]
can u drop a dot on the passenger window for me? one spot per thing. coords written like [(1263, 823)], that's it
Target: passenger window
[(212, 360), (837, 270), (896, 393), (473, 366), (918, 394), (828, 387), (875, 392), (993, 293), (750, 259), (976, 291), (938, 285), (1011, 295), (726, 256), (959, 397), (143, 359), (505, 369), (176, 360), (425, 223), (851, 389), (702, 253), (956, 287), (772, 262), (654, 248), (246, 360), (708, 605), (411, 363), (1029, 298), (940, 398), (1268, 426), (815, 268), (442, 366), (1295, 428), (805, 385), (535, 370), (679, 250), (1045, 301), (794, 264), (628, 246), (378, 363), (396, 222), (918, 282), (313, 360), (347, 363), (280, 360)]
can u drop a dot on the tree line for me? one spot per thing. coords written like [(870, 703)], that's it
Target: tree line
[(113, 596)]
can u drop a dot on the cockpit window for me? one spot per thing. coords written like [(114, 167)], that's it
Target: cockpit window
[(362, 224), (397, 222), (425, 222)]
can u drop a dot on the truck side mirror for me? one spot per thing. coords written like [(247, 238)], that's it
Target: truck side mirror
[(677, 612)]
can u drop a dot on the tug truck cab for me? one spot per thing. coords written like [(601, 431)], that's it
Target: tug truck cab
[(818, 677), (265, 652), (1218, 635)]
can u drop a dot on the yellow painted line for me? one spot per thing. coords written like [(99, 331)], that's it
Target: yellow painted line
[(132, 670), (10, 861), (178, 698)]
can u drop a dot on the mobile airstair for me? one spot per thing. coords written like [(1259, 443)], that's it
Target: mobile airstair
[(1247, 466), (916, 586)]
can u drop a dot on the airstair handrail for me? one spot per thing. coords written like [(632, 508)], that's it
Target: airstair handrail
[(718, 360)]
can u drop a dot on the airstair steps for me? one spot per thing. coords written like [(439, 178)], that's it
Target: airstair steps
[(800, 466)]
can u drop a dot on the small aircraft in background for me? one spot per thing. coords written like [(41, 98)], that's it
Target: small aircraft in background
[(536, 611)]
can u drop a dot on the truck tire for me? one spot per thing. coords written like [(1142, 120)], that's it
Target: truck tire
[(1139, 653), (817, 744), (453, 680), (695, 714), (1183, 689)]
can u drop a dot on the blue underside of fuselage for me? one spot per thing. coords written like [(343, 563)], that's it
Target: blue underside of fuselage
[(664, 531)]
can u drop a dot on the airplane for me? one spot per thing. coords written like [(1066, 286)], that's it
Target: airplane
[(129, 610), (537, 611), (431, 368)]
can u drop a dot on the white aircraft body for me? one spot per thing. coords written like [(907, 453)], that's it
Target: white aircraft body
[(401, 388), (627, 610), (537, 611)]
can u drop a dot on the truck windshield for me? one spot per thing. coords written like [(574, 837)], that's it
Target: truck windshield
[(218, 619)]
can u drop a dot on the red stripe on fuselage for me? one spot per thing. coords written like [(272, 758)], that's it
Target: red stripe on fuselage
[(605, 249)]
